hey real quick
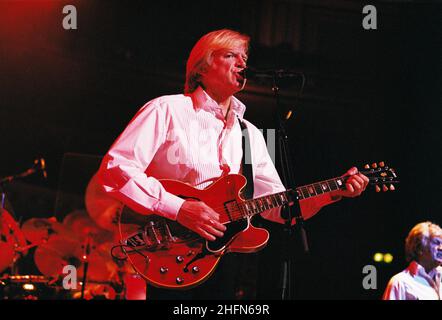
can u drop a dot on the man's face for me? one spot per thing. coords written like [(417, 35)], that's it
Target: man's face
[(433, 251), (435, 248), (224, 72)]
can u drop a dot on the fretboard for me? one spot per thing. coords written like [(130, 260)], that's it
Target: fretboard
[(318, 188), (261, 204)]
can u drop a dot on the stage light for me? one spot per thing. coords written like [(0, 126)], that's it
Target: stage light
[(378, 257), (388, 258)]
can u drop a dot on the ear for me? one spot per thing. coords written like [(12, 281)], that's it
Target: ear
[(210, 59)]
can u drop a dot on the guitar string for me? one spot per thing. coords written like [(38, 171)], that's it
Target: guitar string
[(239, 213), (298, 189), (242, 212)]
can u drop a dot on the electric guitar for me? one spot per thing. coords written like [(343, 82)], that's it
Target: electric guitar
[(168, 255)]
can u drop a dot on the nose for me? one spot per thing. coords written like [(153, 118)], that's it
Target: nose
[(241, 63)]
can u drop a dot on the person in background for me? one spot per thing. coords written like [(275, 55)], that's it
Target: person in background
[(421, 280)]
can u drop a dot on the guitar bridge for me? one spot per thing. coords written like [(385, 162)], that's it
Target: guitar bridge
[(135, 240), (155, 235)]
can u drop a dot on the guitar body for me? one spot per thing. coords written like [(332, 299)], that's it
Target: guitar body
[(170, 256)]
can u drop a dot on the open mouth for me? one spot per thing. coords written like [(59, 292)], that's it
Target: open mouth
[(240, 76)]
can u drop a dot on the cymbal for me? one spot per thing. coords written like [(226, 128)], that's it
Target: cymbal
[(11, 240), (51, 257), (101, 207), (81, 224), (38, 230)]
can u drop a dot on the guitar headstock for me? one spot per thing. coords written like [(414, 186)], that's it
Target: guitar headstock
[(381, 176)]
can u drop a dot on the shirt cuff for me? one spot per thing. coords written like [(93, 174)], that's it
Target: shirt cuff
[(170, 205)]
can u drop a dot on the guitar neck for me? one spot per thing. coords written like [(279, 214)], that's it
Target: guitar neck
[(318, 188), (276, 200)]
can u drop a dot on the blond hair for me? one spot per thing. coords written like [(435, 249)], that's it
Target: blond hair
[(419, 238), (201, 53)]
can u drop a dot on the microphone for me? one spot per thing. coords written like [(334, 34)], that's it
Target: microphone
[(252, 73)]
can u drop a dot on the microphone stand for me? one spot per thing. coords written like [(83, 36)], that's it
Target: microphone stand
[(39, 165), (288, 213), (85, 258)]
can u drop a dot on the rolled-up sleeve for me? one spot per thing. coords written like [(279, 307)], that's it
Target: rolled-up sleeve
[(122, 171)]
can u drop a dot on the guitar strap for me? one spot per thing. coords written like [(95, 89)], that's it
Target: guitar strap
[(247, 168)]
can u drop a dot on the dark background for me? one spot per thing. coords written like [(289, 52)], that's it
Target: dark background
[(370, 96)]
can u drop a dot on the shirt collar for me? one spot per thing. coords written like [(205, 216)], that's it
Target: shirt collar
[(416, 269), (202, 100)]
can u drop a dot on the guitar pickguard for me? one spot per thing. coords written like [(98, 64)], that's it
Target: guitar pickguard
[(233, 229)]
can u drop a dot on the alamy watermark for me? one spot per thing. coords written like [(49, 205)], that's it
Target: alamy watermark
[(70, 19), (370, 20), (194, 145), (70, 278), (369, 282)]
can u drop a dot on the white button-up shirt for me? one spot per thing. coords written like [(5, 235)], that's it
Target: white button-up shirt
[(414, 283), (187, 138)]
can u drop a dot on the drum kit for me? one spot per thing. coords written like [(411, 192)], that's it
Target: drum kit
[(76, 242), (73, 256)]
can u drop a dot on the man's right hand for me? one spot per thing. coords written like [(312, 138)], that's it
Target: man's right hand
[(200, 218)]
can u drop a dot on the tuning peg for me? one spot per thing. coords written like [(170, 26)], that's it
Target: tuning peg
[(374, 165), (381, 164), (392, 188), (384, 188), (377, 188), (367, 166)]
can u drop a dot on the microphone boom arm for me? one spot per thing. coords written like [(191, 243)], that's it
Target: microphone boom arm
[(39, 164)]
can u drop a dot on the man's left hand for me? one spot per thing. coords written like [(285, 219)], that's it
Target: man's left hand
[(355, 184)]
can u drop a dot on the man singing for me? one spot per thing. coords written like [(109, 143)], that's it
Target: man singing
[(196, 138)]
